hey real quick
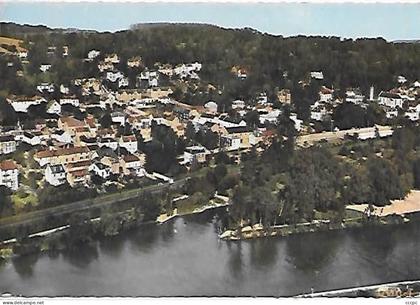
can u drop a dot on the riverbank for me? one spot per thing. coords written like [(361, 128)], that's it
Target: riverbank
[(41, 241), (259, 231)]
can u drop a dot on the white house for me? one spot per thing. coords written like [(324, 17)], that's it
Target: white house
[(132, 165), (22, 54), (390, 99), (118, 117), (129, 143), (45, 67), (9, 174), (238, 104), (7, 145), (45, 87), (70, 100), (32, 138), (195, 153), (401, 79), (64, 89), (22, 103), (317, 75), (108, 142), (93, 54), (101, 170), (123, 82), (62, 137), (325, 94), (114, 76), (353, 96), (318, 113), (55, 174), (53, 107), (211, 107)]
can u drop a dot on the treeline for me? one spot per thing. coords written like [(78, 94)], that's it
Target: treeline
[(271, 61)]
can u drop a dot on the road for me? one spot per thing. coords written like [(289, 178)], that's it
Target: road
[(83, 205), (363, 134)]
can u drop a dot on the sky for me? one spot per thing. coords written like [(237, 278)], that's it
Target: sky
[(395, 21)]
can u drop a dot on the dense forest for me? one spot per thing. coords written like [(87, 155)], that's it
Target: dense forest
[(271, 62)]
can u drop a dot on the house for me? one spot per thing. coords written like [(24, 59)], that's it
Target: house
[(118, 117), (7, 145), (9, 174), (70, 124), (80, 177), (354, 96), (284, 96), (63, 155), (123, 82), (211, 107), (238, 104), (114, 76), (237, 137), (129, 143), (69, 100), (62, 136), (401, 79), (134, 62), (317, 75), (64, 89), (53, 107), (93, 54), (22, 103), (32, 138), (45, 87), (319, 112), (22, 54), (45, 67), (100, 170), (65, 51), (388, 99), (132, 165), (325, 94), (269, 116), (195, 154), (108, 142), (55, 174)]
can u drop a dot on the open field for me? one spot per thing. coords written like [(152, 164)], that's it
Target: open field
[(10, 42), (409, 204)]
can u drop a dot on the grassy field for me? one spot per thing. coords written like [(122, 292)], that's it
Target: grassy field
[(10, 42)]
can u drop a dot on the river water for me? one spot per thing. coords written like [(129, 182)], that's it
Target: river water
[(184, 257)]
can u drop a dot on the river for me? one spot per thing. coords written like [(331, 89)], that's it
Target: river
[(184, 257)]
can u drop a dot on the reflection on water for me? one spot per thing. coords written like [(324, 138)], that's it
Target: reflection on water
[(312, 252), (81, 256), (185, 257), (24, 265), (235, 261), (263, 253)]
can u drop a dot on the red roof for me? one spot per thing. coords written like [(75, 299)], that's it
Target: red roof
[(8, 165)]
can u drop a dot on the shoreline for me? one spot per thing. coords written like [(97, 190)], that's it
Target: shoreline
[(6, 247), (258, 231)]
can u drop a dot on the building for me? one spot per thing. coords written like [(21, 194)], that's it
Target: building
[(392, 100), (63, 155), (325, 94), (79, 177), (9, 174), (195, 154), (55, 174), (22, 103), (211, 107), (237, 137), (129, 143), (284, 96), (100, 170), (53, 107), (7, 145), (132, 165), (317, 75)]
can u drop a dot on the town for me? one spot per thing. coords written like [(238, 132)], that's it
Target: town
[(130, 124)]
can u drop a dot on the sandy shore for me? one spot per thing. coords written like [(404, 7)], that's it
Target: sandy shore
[(410, 204)]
